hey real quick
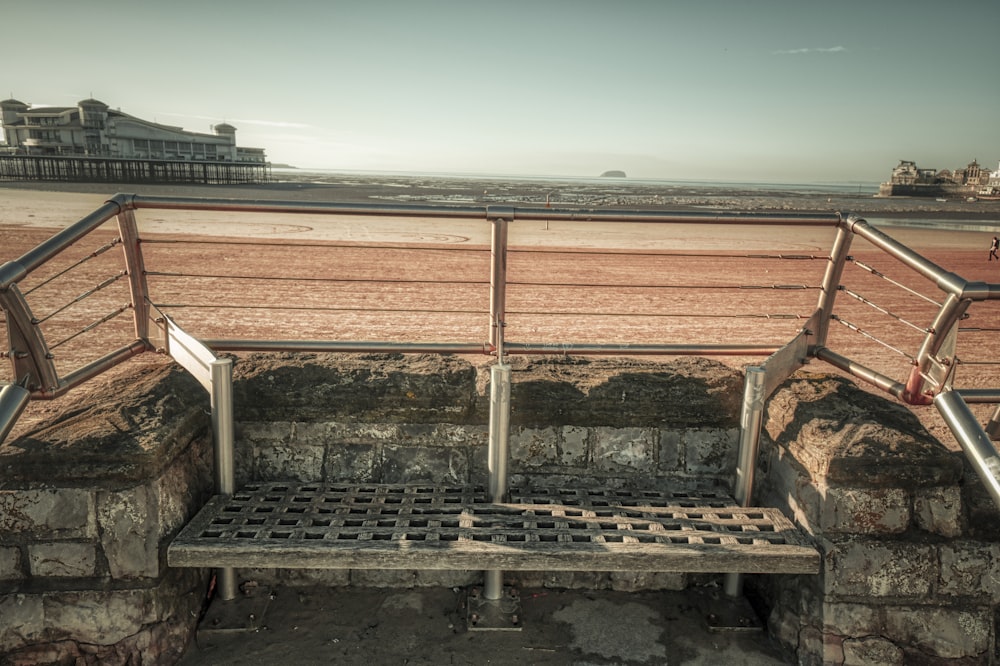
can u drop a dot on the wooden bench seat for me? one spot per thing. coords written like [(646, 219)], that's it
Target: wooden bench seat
[(376, 526)]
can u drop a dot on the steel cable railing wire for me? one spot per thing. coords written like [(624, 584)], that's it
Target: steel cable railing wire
[(664, 253), (608, 285), (90, 292), (638, 315), (873, 338), (280, 278), (96, 253), (594, 285), (308, 308), (317, 245), (106, 318), (861, 299), (865, 267)]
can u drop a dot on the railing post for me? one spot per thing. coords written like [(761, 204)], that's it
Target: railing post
[(13, 400), (498, 280), (992, 428), (751, 417), (942, 331), (831, 282), (136, 268), (973, 439), (32, 362)]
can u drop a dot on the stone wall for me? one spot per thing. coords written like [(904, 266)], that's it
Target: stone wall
[(908, 536), (87, 504), (383, 419)]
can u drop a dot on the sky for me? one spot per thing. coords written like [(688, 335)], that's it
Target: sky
[(744, 90)]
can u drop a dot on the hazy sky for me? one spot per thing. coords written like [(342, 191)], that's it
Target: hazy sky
[(788, 90)]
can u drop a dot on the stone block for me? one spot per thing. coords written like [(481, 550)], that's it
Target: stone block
[(670, 455), (872, 651), (970, 569), (787, 486), (308, 433), (363, 433), (23, 621), (101, 618), (573, 446), (689, 392), (873, 569), (130, 532), (372, 388), (185, 487), (442, 435), (939, 510), (253, 432), (945, 633), (10, 563), (424, 464), (849, 619), (108, 617), (361, 463), (534, 447), (62, 559), (865, 511), (623, 449), (711, 450), (844, 435), (294, 461), (61, 513)]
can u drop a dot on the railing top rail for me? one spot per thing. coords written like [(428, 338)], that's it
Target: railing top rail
[(510, 213), (14, 271), (945, 280)]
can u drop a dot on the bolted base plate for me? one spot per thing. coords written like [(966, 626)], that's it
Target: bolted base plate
[(503, 614), (723, 613), (245, 613)]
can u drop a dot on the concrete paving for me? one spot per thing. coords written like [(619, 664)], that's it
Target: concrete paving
[(430, 626)]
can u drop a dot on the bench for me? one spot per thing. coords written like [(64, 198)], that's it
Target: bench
[(398, 526)]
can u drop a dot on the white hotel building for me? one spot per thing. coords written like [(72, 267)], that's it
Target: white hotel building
[(92, 129)]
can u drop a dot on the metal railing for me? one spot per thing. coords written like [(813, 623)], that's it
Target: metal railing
[(529, 297)]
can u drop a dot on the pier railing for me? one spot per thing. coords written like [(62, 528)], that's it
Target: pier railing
[(499, 281)]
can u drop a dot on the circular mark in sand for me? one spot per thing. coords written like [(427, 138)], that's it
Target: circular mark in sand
[(430, 238)]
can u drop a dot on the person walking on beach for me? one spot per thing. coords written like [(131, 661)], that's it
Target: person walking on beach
[(993, 249)]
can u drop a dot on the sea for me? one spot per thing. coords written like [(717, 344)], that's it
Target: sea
[(335, 176), (844, 196)]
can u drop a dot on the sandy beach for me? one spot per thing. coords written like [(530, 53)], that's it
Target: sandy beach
[(577, 282)]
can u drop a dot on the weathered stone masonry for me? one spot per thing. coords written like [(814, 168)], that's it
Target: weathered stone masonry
[(909, 538), (87, 504)]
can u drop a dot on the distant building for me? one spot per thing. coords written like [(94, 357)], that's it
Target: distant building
[(909, 180), (93, 129)]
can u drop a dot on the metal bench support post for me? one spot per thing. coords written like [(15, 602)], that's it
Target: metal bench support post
[(225, 477), (498, 455), (751, 418)]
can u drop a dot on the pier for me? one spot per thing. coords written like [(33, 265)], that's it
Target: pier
[(131, 170)]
